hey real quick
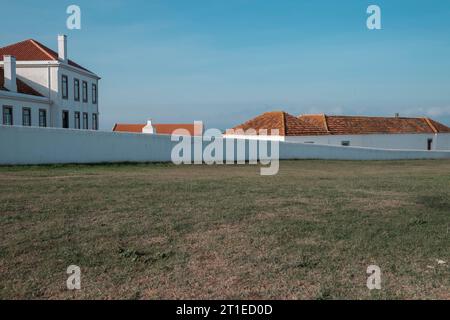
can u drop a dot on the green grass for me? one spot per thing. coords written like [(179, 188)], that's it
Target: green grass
[(154, 231)]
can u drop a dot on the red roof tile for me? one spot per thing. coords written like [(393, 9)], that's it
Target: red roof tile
[(22, 87), (321, 124), (440, 128), (286, 124), (32, 50), (344, 125), (166, 128), (124, 127), (160, 128)]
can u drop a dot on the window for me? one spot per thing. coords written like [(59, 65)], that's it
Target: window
[(345, 143), (26, 117), (76, 90), (429, 144), (77, 120), (94, 93), (85, 120), (65, 119), (8, 115), (42, 118), (94, 121), (85, 91), (64, 87)]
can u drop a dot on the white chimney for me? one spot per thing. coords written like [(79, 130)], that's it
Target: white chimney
[(62, 48), (9, 66), (149, 129), (198, 128)]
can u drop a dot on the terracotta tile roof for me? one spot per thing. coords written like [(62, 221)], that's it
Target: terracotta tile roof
[(166, 128), (161, 128), (345, 125), (317, 120), (267, 121), (440, 128), (22, 87), (287, 125), (125, 127), (321, 124), (297, 127), (32, 50)]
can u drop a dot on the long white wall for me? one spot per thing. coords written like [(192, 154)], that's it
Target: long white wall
[(30, 145), (385, 141), (418, 141)]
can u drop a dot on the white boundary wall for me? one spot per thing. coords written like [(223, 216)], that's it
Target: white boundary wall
[(413, 141), (31, 145)]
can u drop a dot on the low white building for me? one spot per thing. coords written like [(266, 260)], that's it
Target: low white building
[(192, 129), (398, 133), (42, 87)]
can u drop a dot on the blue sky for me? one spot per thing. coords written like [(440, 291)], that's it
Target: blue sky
[(226, 61)]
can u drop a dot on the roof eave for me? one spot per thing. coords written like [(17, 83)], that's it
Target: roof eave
[(22, 96), (77, 69)]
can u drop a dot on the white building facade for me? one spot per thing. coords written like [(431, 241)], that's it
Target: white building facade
[(63, 94)]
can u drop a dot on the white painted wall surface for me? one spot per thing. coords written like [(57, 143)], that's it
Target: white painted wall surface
[(39, 76), (46, 78), (42, 77), (29, 145), (7, 99), (70, 104), (251, 137), (385, 141), (441, 141)]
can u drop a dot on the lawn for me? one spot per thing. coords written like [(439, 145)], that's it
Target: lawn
[(153, 231)]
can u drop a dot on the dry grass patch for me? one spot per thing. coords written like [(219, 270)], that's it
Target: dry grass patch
[(151, 231)]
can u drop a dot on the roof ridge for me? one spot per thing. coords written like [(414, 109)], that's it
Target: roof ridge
[(39, 46), (381, 117), (283, 122), (325, 122), (427, 120)]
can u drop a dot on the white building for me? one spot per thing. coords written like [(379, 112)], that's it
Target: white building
[(398, 133), (41, 87)]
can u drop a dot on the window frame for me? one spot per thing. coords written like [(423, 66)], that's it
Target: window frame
[(64, 87), (67, 113), (85, 121), (94, 93), (23, 116), (94, 121), (7, 107), (77, 120), (84, 90), (76, 89), (43, 112), (429, 144)]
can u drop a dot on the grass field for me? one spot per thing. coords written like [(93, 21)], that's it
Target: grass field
[(152, 231)]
